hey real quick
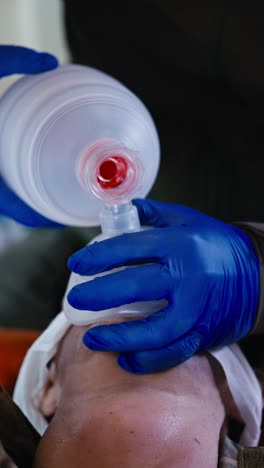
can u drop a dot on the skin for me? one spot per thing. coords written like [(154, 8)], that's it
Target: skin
[(108, 418)]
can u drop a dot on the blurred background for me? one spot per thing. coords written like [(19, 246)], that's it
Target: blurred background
[(34, 23)]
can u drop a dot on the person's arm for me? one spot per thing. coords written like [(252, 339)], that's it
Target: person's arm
[(21, 60), (255, 232)]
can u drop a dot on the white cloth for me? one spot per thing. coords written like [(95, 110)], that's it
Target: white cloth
[(33, 372), (245, 389), (241, 379)]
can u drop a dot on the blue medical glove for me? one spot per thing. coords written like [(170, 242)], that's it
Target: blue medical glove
[(14, 59), (207, 270)]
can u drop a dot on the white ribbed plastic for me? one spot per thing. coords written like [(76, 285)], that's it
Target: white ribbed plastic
[(48, 121), (57, 130)]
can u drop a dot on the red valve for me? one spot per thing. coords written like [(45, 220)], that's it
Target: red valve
[(112, 172)]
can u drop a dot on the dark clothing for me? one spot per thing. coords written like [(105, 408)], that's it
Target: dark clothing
[(199, 68)]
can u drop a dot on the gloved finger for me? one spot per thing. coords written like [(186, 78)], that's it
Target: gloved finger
[(15, 59), (157, 360), (13, 207), (122, 287), (160, 214), (127, 249), (156, 331)]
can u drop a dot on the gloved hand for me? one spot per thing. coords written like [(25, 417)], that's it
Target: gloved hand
[(207, 270), (14, 59)]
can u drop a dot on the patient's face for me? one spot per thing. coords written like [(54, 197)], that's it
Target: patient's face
[(108, 418)]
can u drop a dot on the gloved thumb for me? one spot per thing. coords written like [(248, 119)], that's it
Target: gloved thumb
[(160, 214), (157, 360), (22, 60)]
